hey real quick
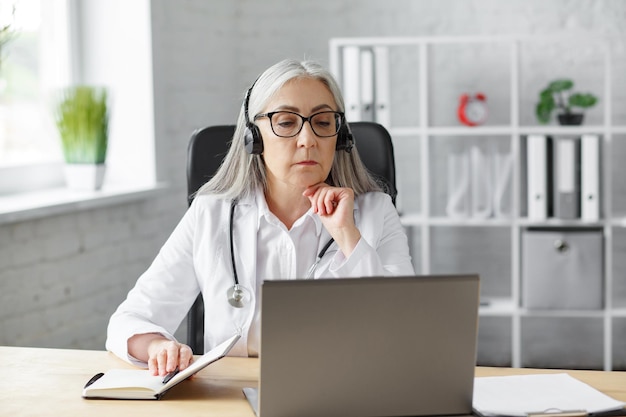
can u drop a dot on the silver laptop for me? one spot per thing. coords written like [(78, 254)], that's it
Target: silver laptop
[(392, 346)]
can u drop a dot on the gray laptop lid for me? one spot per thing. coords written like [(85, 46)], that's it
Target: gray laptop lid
[(392, 346)]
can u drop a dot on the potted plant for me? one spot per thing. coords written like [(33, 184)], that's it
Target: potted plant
[(82, 119), (557, 96)]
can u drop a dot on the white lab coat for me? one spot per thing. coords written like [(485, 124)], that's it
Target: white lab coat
[(197, 258)]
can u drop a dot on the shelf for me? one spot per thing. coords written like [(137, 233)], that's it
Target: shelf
[(618, 222), (561, 313), (419, 220), (505, 130), (497, 307), (564, 130), (469, 222), (507, 307), (569, 39), (415, 219), (619, 312), (423, 101), (556, 222), (411, 219), (451, 131)]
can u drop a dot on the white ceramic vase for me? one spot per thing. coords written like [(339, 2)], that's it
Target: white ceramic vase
[(84, 177)]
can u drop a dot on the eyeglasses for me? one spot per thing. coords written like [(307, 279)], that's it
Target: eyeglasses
[(287, 124)]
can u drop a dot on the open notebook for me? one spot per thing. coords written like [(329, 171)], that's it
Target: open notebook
[(139, 384)]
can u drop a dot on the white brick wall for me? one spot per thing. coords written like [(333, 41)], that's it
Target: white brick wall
[(61, 277)]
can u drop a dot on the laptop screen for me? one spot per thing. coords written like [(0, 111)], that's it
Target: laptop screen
[(376, 346)]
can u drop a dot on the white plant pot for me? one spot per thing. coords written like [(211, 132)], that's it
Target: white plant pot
[(84, 177)]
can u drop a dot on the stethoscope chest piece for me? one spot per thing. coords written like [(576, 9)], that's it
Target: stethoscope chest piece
[(237, 296)]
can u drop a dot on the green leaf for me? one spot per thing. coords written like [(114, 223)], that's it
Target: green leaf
[(546, 95), (543, 111), (560, 85), (582, 100)]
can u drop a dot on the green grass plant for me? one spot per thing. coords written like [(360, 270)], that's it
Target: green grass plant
[(82, 119)]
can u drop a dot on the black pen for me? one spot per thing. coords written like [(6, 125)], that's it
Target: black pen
[(170, 375)]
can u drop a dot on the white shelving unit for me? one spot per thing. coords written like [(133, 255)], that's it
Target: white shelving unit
[(506, 327)]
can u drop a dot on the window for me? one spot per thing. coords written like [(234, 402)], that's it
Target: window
[(33, 64), (61, 42)]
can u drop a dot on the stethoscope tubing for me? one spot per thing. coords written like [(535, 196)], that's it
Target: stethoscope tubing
[(231, 225), (235, 294)]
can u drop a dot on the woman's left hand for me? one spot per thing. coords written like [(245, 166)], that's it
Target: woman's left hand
[(335, 206)]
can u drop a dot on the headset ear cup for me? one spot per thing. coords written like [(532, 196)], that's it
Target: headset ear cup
[(345, 141), (252, 139)]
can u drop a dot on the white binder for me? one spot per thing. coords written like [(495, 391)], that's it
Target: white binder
[(367, 84), (351, 77), (458, 205), (537, 154), (482, 201), (382, 109), (502, 170), (590, 177), (566, 178)]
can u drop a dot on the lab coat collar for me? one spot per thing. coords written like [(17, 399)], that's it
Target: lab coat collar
[(264, 212)]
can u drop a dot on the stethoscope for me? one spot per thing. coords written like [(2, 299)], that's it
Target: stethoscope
[(237, 293)]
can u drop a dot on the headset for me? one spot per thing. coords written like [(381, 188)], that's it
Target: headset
[(253, 143), (253, 140), (252, 135)]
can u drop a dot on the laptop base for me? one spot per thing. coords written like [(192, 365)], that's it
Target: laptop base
[(252, 395)]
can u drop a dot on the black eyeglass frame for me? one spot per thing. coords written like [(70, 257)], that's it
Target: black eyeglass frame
[(339, 116)]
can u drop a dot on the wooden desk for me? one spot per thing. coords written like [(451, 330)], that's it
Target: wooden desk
[(49, 382)]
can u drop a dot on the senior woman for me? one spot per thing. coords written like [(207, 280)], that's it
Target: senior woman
[(292, 200)]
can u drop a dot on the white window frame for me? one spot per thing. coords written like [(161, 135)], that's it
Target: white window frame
[(122, 60), (23, 176)]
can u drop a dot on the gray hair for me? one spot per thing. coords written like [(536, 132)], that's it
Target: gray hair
[(242, 173)]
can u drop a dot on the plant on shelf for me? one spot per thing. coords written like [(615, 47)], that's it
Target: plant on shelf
[(557, 96), (82, 119)]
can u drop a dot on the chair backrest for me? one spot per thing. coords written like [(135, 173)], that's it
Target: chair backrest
[(207, 148), (376, 151)]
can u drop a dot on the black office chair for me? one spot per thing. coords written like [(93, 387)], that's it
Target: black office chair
[(207, 149)]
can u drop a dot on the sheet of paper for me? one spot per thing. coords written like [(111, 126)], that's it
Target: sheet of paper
[(520, 395)]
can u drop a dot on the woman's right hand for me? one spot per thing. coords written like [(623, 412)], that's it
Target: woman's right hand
[(162, 354), (165, 355)]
